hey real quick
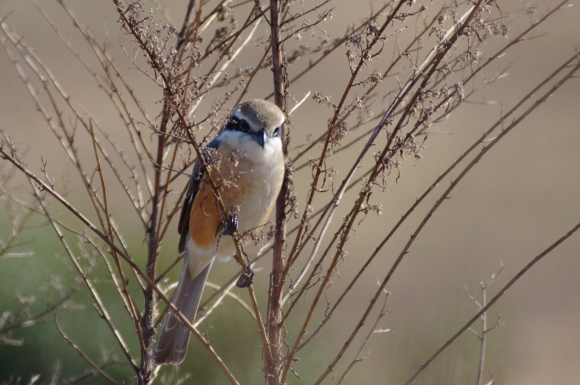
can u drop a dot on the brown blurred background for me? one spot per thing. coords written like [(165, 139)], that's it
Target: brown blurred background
[(523, 196)]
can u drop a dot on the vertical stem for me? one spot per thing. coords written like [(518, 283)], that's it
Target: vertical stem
[(147, 319), (274, 316), (482, 338)]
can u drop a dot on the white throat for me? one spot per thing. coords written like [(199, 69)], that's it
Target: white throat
[(247, 146)]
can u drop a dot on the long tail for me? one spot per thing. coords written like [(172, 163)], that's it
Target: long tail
[(171, 345)]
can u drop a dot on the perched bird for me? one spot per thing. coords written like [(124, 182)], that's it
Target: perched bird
[(247, 168)]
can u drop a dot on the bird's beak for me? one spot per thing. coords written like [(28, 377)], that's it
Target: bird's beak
[(260, 137)]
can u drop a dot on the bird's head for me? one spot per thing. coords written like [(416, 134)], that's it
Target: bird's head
[(258, 119)]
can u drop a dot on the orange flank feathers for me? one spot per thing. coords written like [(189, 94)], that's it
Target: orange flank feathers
[(205, 217)]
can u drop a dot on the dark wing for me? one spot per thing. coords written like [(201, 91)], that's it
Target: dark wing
[(190, 193), (192, 188)]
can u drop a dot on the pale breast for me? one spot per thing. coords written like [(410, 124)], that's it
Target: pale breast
[(253, 180), (248, 183)]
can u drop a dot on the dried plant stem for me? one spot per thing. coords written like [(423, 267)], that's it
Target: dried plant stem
[(372, 330), (482, 339), (99, 303), (327, 52), (493, 301), (7, 154), (34, 318), (274, 315), (320, 163), (345, 228), (366, 94), (227, 63), (418, 201), (506, 130), (83, 355)]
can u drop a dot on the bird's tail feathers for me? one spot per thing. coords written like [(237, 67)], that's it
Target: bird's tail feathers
[(172, 343)]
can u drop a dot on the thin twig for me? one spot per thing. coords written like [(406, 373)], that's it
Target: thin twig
[(83, 355)]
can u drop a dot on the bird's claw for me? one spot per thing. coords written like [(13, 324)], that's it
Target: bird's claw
[(231, 225), (246, 279)]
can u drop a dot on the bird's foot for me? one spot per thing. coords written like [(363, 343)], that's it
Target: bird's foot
[(246, 279), (231, 225)]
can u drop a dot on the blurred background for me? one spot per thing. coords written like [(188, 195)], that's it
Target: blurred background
[(521, 198)]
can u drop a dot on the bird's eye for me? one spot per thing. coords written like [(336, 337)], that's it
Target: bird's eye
[(233, 123), (276, 132), (237, 124), (244, 126)]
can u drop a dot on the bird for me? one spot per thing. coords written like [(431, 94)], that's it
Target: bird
[(247, 167)]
